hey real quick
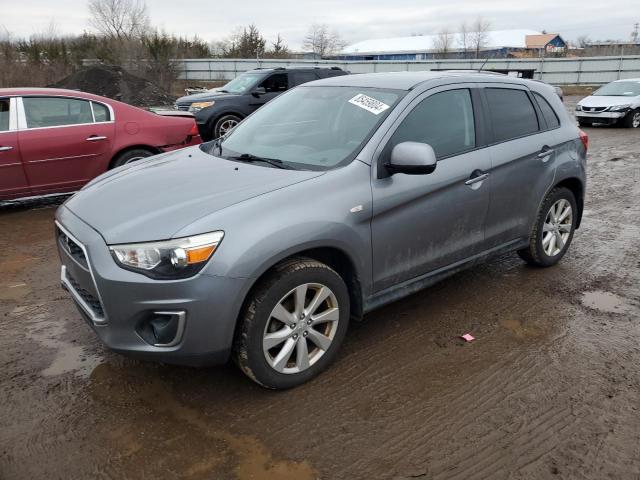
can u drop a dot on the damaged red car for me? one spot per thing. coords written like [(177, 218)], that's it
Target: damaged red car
[(54, 141)]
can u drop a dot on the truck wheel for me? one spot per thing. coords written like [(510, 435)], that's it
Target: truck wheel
[(224, 125), (632, 120), (553, 229), (130, 156), (293, 324)]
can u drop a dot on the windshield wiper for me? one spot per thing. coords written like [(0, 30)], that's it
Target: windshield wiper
[(224, 91), (248, 157)]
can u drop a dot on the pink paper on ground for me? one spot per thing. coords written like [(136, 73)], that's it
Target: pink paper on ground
[(468, 337)]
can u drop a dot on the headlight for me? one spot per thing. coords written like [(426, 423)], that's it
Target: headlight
[(170, 259), (578, 108), (619, 108), (197, 106)]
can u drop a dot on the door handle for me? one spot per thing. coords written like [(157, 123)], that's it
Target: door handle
[(545, 153), (95, 138), (476, 176), (5, 149)]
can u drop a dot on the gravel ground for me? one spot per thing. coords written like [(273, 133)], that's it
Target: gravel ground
[(550, 388)]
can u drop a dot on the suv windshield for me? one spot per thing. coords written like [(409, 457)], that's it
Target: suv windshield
[(314, 128), (619, 89), (242, 83)]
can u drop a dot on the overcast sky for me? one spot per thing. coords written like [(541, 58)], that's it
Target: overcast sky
[(355, 20)]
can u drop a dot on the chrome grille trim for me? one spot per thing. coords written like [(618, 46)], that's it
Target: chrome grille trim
[(68, 285)]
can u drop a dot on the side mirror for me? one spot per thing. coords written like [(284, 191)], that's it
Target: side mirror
[(412, 158), (258, 91)]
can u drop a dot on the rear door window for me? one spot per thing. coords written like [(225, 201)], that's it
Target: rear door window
[(511, 113), (276, 83), (303, 77), (100, 112), (4, 114), (547, 110), (444, 120), (56, 111)]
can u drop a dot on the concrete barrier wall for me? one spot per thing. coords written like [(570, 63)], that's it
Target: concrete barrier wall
[(557, 71)]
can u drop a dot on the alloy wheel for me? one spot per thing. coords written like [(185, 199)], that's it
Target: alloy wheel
[(301, 328), (635, 121), (226, 126), (557, 227)]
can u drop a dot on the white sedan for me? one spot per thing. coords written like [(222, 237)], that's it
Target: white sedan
[(616, 103)]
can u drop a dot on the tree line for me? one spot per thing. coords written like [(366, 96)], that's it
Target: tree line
[(121, 34)]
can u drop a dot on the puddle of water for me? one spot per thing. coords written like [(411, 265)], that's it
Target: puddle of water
[(605, 302), (520, 330), (68, 358)]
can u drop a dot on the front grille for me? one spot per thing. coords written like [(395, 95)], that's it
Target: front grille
[(183, 107), (75, 250), (89, 299), (594, 109)]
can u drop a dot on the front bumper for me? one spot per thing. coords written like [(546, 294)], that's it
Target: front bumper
[(600, 117), (115, 302)]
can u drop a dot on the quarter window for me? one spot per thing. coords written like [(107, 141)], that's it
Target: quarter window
[(100, 112), (511, 113), (444, 121), (56, 111), (4, 115), (548, 112)]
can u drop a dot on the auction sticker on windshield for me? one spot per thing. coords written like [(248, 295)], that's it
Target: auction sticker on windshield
[(369, 104)]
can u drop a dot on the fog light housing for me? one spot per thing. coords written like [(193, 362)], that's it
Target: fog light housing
[(162, 329)]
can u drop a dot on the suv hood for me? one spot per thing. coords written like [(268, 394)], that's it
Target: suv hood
[(606, 101), (203, 97), (155, 198)]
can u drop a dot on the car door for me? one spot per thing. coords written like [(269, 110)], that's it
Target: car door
[(13, 181), (522, 161), (422, 223), (273, 85), (64, 142)]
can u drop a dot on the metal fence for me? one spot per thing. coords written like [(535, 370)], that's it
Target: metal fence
[(557, 71)]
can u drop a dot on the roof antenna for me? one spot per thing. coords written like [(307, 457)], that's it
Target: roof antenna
[(483, 64)]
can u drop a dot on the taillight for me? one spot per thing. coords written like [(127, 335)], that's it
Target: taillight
[(194, 130), (584, 138)]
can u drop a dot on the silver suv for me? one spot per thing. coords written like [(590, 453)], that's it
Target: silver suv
[(336, 198)]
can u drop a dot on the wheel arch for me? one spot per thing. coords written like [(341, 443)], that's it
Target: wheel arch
[(128, 148), (336, 258), (576, 186)]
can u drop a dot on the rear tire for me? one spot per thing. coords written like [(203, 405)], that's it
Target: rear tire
[(287, 335), (584, 123), (131, 156), (632, 120), (224, 124), (552, 230)]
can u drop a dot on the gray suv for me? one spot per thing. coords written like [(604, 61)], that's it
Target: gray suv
[(338, 197)]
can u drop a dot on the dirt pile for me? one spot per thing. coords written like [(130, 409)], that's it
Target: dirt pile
[(114, 82)]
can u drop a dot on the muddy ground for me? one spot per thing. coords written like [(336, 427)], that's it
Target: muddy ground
[(550, 388)]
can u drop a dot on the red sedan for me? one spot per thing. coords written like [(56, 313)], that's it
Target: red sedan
[(54, 141)]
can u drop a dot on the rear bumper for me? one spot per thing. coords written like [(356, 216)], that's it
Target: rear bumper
[(195, 140), (116, 302)]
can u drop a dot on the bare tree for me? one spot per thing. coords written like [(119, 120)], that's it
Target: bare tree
[(463, 38), (583, 41), (443, 43), (119, 19), (322, 41), (479, 35)]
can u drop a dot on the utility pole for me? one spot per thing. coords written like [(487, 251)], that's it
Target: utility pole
[(635, 35)]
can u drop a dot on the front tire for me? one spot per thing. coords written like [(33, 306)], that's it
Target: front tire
[(632, 120), (224, 125), (553, 229), (585, 123), (293, 324)]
